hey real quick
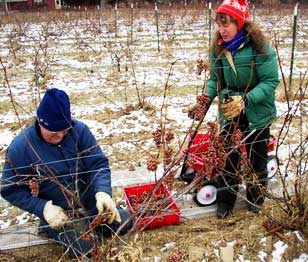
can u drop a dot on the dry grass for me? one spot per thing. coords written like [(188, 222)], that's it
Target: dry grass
[(203, 236)]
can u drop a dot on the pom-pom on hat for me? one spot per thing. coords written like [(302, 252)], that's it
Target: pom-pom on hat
[(238, 9), (53, 113)]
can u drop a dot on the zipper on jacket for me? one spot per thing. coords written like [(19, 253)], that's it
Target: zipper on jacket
[(64, 158), (71, 186)]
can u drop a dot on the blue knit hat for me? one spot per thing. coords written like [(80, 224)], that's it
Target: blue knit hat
[(54, 112)]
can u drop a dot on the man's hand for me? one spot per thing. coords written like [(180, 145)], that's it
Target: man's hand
[(233, 108), (54, 215), (105, 204)]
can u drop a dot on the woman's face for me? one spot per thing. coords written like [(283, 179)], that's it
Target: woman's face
[(227, 29)]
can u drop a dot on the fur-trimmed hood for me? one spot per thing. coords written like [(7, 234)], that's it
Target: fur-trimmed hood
[(254, 34)]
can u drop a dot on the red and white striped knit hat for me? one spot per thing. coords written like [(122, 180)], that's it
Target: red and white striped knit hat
[(238, 9)]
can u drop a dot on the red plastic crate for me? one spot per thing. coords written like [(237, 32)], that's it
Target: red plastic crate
[(200, 144), (272, 143), (159, 219)]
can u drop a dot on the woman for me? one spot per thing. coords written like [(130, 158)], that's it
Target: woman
[(244, 75)]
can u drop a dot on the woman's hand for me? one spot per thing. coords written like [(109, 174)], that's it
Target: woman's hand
[(233, 108)]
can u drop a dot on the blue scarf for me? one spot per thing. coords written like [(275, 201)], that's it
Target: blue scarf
[(235, 43)]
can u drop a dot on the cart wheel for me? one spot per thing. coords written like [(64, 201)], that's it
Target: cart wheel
[(272, 166), (188, 175), (206, 196)]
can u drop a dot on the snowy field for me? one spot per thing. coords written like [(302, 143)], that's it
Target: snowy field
[(107, 72)]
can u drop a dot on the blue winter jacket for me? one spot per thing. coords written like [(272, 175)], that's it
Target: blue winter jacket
[(77, 163)]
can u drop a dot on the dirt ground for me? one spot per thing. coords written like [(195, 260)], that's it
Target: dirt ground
[(193, 240)]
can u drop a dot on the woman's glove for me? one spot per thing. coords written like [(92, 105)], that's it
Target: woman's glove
[(233, 108), (54, 215), (105, 204)]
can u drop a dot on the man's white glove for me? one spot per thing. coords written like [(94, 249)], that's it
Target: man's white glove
[(233, 108), (105, 204), (54, 215)]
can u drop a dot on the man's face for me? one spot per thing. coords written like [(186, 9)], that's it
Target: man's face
[(53, 137)]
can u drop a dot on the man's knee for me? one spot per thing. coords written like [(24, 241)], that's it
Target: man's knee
[(120, 227)]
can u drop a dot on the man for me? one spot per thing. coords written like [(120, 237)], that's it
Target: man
[(56, 170)]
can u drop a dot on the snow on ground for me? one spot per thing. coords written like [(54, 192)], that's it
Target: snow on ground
[(6, 138), (72, 75)]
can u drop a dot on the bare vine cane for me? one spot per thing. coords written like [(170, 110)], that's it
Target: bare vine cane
[(184, 167), (203, 100)]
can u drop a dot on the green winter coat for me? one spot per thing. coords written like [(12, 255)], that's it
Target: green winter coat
[(256, 79)]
